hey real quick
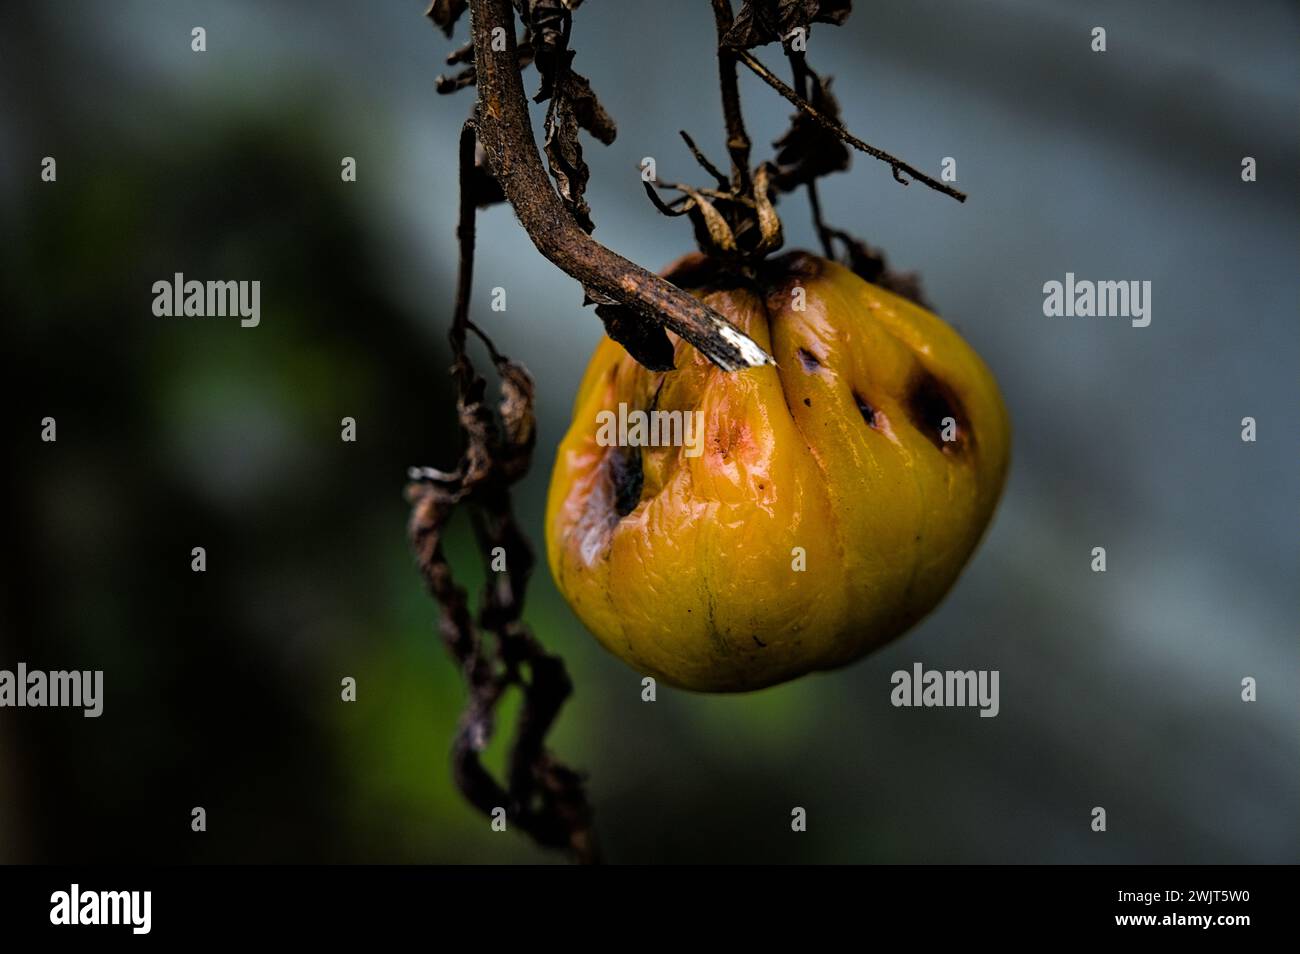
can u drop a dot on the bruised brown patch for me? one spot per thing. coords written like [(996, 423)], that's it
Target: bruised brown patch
[(793, 266), (865, 409), (626, 477), (733, 439), (930, 403), (780, 275)]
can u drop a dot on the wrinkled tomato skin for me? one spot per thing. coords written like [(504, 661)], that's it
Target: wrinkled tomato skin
[(828, 503)]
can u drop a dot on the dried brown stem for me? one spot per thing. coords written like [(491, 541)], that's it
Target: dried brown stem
[(542, 797), (799, 67), (703, 160), (465, 273), (898, 166), (501, 114), (738, 144)]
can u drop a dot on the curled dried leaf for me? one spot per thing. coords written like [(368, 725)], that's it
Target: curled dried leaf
[(549, 23), (770, 21), (564, 158), (808, 150), (587, 110), (445, 13), (574, 106), (518, 420), (769, 223), (478, 427), (592, 297), (645, 342), (711, 230), (673, 210)]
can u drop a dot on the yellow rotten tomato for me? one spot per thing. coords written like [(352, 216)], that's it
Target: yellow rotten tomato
[(726, 531)]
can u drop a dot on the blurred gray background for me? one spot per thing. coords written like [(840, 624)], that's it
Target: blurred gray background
[(1119, 690)]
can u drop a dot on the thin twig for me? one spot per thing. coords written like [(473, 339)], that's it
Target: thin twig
[(738, 144), (898, 166), (465, 272), (703, 160), (505, 129), (799, 66)]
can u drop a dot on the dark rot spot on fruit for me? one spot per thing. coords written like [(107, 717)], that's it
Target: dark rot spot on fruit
[(865, 409), (793, 267), (627, 478), (808, 360), (934, 408), (779, 276), (807, 402)]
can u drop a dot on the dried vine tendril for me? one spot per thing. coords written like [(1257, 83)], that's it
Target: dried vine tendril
[(735, 223)]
